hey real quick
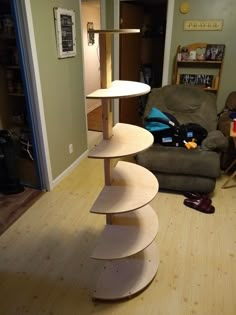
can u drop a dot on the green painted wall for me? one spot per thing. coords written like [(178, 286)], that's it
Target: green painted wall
[(62, 86), (203, 9), (109, 14)]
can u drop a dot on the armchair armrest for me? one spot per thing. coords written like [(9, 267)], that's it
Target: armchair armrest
[(215, 141)]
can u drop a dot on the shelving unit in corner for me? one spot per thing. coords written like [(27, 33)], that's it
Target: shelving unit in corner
[(126, 253), (199, 72)]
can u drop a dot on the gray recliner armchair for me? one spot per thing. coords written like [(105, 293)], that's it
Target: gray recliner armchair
[(177, 168)]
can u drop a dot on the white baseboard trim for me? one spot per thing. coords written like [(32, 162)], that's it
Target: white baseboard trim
[(66, 172)]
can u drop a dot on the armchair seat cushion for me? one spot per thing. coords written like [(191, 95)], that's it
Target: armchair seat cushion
[(183, 161)]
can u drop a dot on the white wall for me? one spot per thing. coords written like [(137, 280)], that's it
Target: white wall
[(91, 13)]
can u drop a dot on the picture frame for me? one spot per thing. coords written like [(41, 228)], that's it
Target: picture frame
[(215, 52), (200, 80), (65, 32)]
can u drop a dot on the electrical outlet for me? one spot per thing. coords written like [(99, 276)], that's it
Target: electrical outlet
[(71, 149)]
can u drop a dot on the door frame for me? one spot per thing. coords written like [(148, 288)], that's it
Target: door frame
[(168, 37), (23, 15)]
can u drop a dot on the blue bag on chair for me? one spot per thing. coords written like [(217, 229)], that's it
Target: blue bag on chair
[(152, 125)]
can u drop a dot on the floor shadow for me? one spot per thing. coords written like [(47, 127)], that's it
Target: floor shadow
[(52, 277)]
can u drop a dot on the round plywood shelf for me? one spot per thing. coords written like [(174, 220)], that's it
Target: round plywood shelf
[(117, 31), (121, 89), (133, 187), (122, 278), (129, 234), (126, 140)]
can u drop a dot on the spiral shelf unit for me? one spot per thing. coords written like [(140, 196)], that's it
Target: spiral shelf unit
[(126, 253)]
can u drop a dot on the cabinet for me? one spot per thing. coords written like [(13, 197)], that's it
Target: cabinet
[(126, 253), (193, 66)]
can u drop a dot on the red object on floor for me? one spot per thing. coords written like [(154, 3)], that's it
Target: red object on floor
[(234, 126), (202, 204)]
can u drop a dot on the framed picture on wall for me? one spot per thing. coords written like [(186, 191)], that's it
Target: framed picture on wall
[(215, 52), (65, 32)]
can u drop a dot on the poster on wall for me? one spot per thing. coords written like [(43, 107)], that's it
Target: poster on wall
[(65, 32)]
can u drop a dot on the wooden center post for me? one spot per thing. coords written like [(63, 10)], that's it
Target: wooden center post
[(107, 120)]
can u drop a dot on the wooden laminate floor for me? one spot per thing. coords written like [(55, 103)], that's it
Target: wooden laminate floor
[(12, 206), (45, 266)]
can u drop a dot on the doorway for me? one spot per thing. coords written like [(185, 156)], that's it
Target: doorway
[(91, 20), (144, 60), (15, 118)]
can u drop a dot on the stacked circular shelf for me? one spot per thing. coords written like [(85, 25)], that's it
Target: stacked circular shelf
[(127, 255)]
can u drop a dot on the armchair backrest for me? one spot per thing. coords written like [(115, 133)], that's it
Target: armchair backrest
[(186, 103), (230, 102)]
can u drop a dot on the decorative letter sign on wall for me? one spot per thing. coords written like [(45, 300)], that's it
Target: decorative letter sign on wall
[(203, 25), (203, 80)]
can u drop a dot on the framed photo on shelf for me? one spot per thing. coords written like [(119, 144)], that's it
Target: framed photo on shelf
[(215, 52), (65, 32), (201, 80)]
